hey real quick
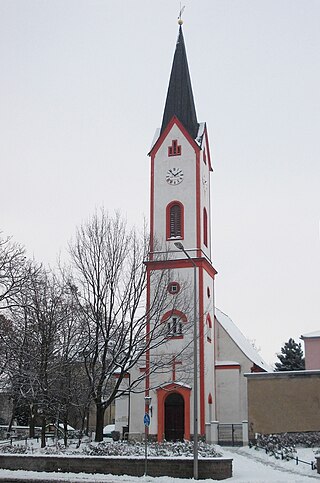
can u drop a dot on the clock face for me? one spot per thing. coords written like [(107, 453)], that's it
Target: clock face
[(174, 176)]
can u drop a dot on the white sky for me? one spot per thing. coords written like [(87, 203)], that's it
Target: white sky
[(82, 90)]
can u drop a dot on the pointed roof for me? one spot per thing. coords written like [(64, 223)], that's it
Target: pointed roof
[(241, 341), (179, 100)]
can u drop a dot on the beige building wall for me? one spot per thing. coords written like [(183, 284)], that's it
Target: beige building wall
[(283, 402)]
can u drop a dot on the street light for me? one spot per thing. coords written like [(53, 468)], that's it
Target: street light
[(195, 363), (146, 420)]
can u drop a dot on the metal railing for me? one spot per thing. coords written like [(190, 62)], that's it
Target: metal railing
[(281, 454)]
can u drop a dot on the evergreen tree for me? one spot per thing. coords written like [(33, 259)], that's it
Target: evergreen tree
[(291, 357)]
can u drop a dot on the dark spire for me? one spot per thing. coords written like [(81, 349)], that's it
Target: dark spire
[(180, 101)]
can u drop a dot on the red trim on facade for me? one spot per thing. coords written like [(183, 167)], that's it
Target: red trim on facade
[(147, 371), (208, 148), (215, 321), (168, 227), (161, 138), (170, 313), (125, 376), (256, 368), (205, 227), (163, 393), (209, 324), (227, 366), (152, 208), (198, 205), (181, 263), (174, 149), (174, 364), (170, 287), (201, 353)]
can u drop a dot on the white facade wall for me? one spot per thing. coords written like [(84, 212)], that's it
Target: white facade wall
[(228, 384), (185, 192), (231, 385), (208, 283), (205, 198)]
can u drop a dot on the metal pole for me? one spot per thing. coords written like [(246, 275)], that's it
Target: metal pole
[(145, 450), (195, 378), (195, 363)]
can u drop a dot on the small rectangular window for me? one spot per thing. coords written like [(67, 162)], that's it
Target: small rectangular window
[(174, 149)]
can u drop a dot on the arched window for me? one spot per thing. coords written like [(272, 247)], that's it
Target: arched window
[(174, 320), (209, 328), (174, 220), (205, 227)]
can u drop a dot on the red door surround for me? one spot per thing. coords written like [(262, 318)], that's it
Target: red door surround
[(163, 393)]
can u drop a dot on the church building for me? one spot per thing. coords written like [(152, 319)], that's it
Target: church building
[(180, 247)]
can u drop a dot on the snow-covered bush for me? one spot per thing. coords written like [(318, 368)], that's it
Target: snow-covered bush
[(16, 449), (283, 445), (120, 448), (165, 449)]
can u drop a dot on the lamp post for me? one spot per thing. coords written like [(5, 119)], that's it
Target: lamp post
[(195, 363), (146, 421)]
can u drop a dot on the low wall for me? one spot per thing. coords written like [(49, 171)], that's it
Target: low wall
[(215, 468), (283, 402)]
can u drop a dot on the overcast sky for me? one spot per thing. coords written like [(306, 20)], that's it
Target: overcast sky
[(82, 90)]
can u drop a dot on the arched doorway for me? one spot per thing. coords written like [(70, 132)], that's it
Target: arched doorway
[(174, 417)]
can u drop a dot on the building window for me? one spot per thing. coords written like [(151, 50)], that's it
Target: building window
[(208, 292), (209, 329), (205, 227), (175, 222), (173, 288), (174, 149), (204, 156), (174, 327), (174, 320)]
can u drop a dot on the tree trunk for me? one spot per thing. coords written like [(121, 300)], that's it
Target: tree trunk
[(31, 422), (87, 421), (12, 416), (99, 422), (43, 432), (65, 432)]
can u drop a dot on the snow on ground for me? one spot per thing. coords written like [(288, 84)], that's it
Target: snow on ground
[(249, 466)]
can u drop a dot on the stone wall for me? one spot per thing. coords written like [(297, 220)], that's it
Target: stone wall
[(215, 468), (282, 402)]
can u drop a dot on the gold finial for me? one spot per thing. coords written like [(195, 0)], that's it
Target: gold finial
[(180, 21)]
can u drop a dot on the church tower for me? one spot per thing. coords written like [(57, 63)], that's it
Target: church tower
[(180, 234)]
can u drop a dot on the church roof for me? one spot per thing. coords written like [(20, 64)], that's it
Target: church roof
[(241, 341), (180, 102)]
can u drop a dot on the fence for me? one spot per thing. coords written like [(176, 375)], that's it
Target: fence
[(230, 434), (280, 454)]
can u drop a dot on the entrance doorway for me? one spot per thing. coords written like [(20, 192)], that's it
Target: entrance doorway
[(174, 417)]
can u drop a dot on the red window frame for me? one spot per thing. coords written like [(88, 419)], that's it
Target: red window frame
[(174, 149), (173, 288), (205, 227), (175, 220), (209, 328)]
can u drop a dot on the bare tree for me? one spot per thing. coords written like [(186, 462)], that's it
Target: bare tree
[(14, 271), (39, 366), (111, 277)]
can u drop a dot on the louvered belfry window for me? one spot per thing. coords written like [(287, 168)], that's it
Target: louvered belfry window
[(175, 221)]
